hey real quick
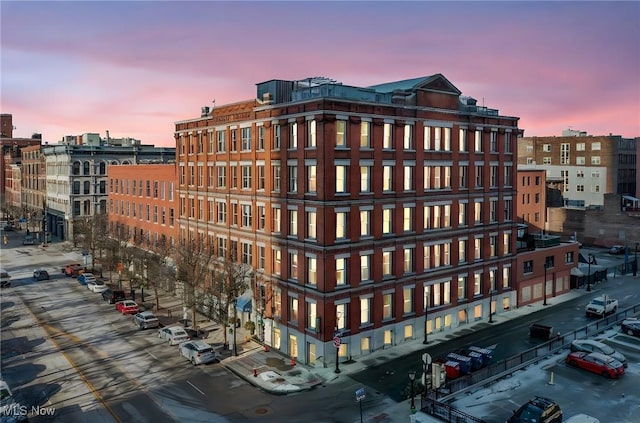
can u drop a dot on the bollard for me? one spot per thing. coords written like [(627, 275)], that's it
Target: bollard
[(255, 372), (293, 361), (551, 380)]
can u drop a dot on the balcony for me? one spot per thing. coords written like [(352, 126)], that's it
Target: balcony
[(546, 241)]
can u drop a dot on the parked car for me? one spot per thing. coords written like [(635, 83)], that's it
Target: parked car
[(173, 334), (197, 352), (29, 240), (589, 346), (127, 307), (97, 286), (41, 275), (539, 410), (5, 279), (86, 278), (631, 326), (113, 296), (146, 320), (10, 410), (9, 228), (617, 249), (596, 363), (73, 269)]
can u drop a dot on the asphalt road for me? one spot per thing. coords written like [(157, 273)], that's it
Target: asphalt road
[(77, 358), (508, 338)]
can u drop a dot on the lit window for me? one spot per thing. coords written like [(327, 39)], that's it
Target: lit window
[(341, 130), (341, 179), (365, 128)]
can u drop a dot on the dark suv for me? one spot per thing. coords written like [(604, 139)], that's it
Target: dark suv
[(538, 409), (112, 296)]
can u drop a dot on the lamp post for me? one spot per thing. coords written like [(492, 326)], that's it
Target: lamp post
[(336, 342), (544, 285), (235, 326), (426, 317), (490, 304), (590, 257), (635, 261), (412, 378)]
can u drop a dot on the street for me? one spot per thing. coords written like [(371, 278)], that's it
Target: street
[(72, 354)]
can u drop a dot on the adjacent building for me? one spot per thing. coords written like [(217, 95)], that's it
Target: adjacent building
[(589, 166), (76, 180), (10, 160), (142, 204), (378, 214)]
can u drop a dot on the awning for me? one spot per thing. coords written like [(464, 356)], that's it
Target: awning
[(244, 303), (576, 272)]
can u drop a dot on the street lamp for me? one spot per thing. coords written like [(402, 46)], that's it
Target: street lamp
[(589, 273), (337, 342), (412, 378), (490, 303), (544, 285), (635, 261), (426, 317)]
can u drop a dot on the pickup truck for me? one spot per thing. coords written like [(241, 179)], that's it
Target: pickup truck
[(601, 306)]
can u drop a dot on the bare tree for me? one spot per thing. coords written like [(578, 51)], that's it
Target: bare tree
[(158, 270), (263, 295), (229, 281), (90, 233), (193, 269)]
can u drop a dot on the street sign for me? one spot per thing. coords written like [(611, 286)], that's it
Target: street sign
[(336, 341), (360, 394), (426, 358)]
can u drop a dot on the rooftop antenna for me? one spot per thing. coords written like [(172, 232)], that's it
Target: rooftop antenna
[(214, 103)]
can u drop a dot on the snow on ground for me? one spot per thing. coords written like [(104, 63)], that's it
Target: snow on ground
[(501, 389)]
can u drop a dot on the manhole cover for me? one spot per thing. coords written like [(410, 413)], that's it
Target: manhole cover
[(261, 410)]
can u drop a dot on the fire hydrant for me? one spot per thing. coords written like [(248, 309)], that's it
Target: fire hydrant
[(293, 361), (255, 372)]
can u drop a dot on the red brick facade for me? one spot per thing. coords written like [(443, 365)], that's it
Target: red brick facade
[(142, 200), (352, 209)]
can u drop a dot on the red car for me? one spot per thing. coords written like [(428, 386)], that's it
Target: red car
[(597, 363), (127, 307)]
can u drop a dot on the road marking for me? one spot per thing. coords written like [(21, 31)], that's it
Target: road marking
[(147, 351), (194, 387), (47, 328)]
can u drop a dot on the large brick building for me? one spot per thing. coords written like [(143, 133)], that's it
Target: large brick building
[(383, 213)]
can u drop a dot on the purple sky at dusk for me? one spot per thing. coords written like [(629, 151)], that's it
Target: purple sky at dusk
[(136, 67)]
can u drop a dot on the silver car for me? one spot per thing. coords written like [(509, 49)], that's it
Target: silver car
[(173, 334), (589, 346), (146, 320), (197, 352)]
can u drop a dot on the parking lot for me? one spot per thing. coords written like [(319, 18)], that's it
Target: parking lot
[(577, 391)]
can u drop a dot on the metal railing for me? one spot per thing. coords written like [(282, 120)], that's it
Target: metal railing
[(434, 403), (431, 406)]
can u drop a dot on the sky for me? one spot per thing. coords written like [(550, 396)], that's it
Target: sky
[(135, 68)]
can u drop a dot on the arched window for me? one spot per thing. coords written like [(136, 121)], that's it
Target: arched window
[(103, 168), (76, 187), (87, 187), (76, 168), (86, 168)]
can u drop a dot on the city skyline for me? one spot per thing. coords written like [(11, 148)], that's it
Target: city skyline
[(135, 68)]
